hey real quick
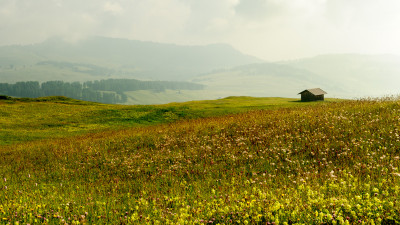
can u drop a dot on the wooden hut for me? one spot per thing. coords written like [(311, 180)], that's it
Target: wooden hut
[(315, 94)]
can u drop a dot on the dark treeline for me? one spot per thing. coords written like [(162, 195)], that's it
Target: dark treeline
[(34, 89), (105, 91)]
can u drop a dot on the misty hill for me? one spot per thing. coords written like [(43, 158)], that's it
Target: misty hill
[(223, 70), (100, 57), (355, 75), (262, 79), (341, 75)]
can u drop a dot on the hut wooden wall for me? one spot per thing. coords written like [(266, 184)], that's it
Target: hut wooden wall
[(307, 97)]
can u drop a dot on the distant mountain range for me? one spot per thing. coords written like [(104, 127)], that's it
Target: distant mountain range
[(102, 57), (224, 70)]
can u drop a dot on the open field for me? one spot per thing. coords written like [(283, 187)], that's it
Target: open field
[(317, 163), (55, 117)]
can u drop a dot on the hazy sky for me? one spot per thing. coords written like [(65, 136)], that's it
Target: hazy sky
[(269, 29)]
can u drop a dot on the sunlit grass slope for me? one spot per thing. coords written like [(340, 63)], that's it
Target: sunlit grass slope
[(54, 117), (334, 163)]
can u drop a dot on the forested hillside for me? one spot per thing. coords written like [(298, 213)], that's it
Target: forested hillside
[(105, 91)]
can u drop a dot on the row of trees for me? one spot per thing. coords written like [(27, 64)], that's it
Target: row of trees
[(109, 91), (34, 89)]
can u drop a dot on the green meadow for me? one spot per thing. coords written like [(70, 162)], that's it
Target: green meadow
[(26, 119), (238, 160)]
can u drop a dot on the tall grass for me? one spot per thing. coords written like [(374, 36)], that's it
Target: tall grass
[(334, 163)]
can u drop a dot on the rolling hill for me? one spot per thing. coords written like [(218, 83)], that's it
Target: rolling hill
[(355, 75), (342, 76), (263, 79), (27, 119)]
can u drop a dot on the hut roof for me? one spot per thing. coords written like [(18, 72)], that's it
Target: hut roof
[(315, 91)]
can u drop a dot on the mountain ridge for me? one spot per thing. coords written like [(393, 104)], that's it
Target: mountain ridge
[(221, 68), (130, 58)]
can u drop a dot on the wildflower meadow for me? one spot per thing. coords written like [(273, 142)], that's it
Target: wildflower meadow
[(323, 163)]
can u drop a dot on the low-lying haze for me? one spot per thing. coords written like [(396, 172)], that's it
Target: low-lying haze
[(269, 29)]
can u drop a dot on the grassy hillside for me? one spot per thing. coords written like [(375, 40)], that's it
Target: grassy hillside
[(329, 163), (55, 117), (146, 97)]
